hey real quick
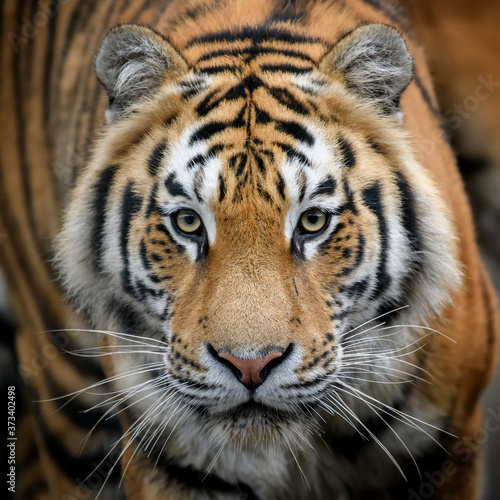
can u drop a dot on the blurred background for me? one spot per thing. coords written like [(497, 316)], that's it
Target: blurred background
[(461, 39)]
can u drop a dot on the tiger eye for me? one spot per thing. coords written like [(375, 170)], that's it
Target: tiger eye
[(312, 221), (188, 221)]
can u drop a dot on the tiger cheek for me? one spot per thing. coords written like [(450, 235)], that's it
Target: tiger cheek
[(313, 325), (190, 330)]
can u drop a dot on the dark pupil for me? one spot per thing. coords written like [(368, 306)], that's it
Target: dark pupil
[(313, 218), (188, 219)]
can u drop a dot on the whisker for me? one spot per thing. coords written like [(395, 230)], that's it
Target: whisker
[(119, 335), (375, 438), (405, 416)]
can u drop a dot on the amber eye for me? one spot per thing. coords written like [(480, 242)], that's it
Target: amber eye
[(312, 221), (188, 221)]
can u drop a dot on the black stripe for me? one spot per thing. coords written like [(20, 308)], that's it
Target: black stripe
[(293, 154), (131, 204), (281, 186), (190, 91), (166, 232), (360, 250), (287, 99), (285, 68), (207, 131), (206, 105), (348, 156), (372, 198), (197, 161), (349, 204), (194, 479), (101, 193), (409, 216), (214, 150), (216, 53), (325, 188), (411, 223), (222, 188), (156, 158), (253, 51), (210, 70), (256, 34), (152, 201), (261, 116), (144, 291), (260, 164), (238, 162), (356, 290), (128, 319), (297, 131), (264, 194), (245, 87), (144, 257), (173, 187)]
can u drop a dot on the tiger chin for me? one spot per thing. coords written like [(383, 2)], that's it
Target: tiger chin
[(281, 288)]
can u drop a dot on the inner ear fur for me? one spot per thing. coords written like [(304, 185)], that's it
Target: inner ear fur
[(132, 63), (373, 61)]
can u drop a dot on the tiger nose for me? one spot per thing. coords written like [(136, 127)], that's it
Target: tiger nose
[(251, 372)]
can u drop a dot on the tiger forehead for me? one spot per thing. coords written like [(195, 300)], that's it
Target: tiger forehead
[(248, 84), (254, 103), (253, 172), (259, 137), (252, 123), (264, 47)]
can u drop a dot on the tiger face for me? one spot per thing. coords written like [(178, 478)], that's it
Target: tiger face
[(259, 221)]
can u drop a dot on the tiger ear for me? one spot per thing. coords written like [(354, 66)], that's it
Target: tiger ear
[(374, 62), (132, 63)]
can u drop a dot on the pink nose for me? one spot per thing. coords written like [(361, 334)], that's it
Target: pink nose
[(251, 371)]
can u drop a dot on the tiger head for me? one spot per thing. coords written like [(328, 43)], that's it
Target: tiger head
[(255, 228)]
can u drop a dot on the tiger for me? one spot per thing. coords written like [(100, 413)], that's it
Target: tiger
[(246, 277)]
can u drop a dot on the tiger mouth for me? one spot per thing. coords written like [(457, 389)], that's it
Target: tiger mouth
[(254, 413), (253, 408)]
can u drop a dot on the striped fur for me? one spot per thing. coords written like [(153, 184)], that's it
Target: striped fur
[(250, 115)]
